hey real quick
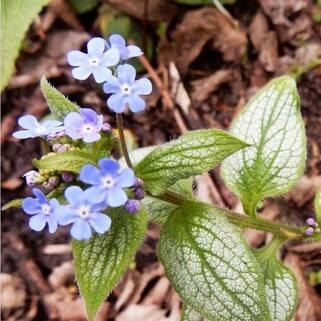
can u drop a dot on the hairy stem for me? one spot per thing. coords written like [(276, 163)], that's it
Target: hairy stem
[(283, 231), (120, 125)]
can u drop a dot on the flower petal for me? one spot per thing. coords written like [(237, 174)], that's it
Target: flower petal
[(95, 194), (74, 195), (82, 72), (126, 74), (117, 40), (65, 215), (52, 123), (77, 58), (52, 223), (31, 205), (54, 203), (90, 174), (92, 137), (96, 47), (100, 222), (134, 51), (37, 222), (136, 103), (126, 178), (142, 86), (40, 195), (81, 230), (112, 85), (117, 102), (109, 166), (28, 122), (110, 58), (101, 74), (88, 115), (116, 197), (22, 134)]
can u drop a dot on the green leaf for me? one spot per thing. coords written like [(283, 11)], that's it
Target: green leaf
[(191, 154), (159, 210), (272, 123), (101, 261), (280, 286), (190, 315), (70, 161), (16, 17), (59, 105), (317, 206), (14, 203), (82, 6), (102, 148), (211, 266)]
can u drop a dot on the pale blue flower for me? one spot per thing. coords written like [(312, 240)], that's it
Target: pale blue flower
[(84, 125), (32, 178), (108, 182), (83, 214), (35, 129), (42, 211), (95, 62), (126, 90), (125, 52)]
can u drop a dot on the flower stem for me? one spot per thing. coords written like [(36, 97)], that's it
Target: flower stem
[(283, 231), (45, 145), (120, 125)]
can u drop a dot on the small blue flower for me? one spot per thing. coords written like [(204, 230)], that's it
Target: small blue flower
[(125, 52), (42, 211), (84, 125), (32, 178), (94, 62), (108, 182), (126, 90), (83, 214), (35, 129)]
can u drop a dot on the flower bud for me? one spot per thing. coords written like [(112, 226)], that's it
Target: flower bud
[(61, 134), (53, 181), (67, 177), (106, 127), (311, 222), (33, 178), (138, 183), (132, 206), (309, 231), (139, 194)]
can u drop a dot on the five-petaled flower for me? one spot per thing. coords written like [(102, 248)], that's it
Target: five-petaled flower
[(125, 52), (126, 90), (83, 214), (95, 62), (35, 129), (42, 211), (108, 182), (84, 125)]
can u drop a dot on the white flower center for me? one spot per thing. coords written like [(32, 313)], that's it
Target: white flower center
[(84, 211), (46, 209), (126, 89), (87, 128), (41, 130), (94, 61), (107, 181)]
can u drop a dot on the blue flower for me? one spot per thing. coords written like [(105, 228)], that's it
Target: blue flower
[(94, 62), (84, 125), (83, 214), (32, 178), (125, 90), (125, 52), (108, 182), (35, 129), (42, 211)]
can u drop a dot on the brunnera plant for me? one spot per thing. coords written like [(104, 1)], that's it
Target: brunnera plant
[(107, 205)]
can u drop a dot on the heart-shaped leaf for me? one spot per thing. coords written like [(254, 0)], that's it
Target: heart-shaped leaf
[(272, 123), (210, 265)]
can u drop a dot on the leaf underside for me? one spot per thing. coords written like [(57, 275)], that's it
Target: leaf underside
[(191, 154), (210, 265), (272, 123), (101, 261)]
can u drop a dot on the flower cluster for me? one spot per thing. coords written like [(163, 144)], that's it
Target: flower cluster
[(106, 186), (125, 90), (85, 210), (312, 228)]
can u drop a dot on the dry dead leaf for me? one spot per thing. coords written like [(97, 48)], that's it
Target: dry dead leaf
[(157, 10), (207, 25)]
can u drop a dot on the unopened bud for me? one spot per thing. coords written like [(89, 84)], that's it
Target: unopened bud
[(53, 181), (309, 231), (138, 182), (132, 206), (139, 194), (67, 177), (33, 178), (61, 134), (310, 221), (106, 127)]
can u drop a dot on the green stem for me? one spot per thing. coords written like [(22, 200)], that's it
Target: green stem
[(45, 145), (120, 125), (282, 231)]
